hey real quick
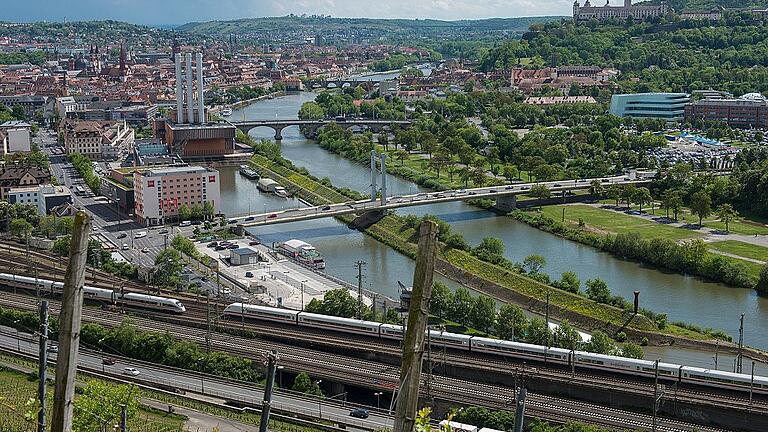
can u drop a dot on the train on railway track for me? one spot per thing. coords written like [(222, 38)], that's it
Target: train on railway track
[(102, 295), (578, 359)]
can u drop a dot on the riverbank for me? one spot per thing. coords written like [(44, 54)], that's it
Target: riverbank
[(495, 281), (247, 102)]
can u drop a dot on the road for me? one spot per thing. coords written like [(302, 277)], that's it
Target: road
[(190, 382), (108, 226), (492, 192)]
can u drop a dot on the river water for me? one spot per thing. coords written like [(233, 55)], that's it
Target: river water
[(683, 298)]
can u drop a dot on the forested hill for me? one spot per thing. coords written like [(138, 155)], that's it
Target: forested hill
[(731, 55), (687, 5), (329, 25)]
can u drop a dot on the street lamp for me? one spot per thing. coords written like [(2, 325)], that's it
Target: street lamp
[(378, 396), (302, 293), (319, 401), (280, 375), (18, 341), (286, 275)]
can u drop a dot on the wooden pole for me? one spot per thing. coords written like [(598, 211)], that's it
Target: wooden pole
[(418, 314), (69, 333)]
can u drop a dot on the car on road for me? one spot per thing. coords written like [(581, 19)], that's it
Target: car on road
[(326, 208), (125, 246), (109, 361), (492, 191), (254, 243), (233, 221), (524, 187), (145, 250), (472, 193), (140, 234), (132, 371), (509, 187), (163, 231), (249, 218), (185, 223), (122, 235), (272, 216), (249, 274), (361, 413)]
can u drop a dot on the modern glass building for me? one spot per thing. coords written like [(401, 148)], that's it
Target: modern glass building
[(667, 106)]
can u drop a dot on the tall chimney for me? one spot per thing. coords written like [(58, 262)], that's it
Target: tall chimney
[(179, 92), (190, 102), (200, 100)]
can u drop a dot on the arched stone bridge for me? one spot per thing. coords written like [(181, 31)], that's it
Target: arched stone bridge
[(314, 125)]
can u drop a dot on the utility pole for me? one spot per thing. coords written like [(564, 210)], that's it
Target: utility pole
[(207, 322), (42, 364), (656, 396), (359, 264), (267, 403), (123, 418), (70, 317), (418, 315), (546, 319), (520, 411), (741, 344)]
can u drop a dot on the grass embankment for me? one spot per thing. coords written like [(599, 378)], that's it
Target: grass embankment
[(480, 275), (613, 222)]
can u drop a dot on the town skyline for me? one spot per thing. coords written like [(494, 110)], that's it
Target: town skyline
[(177, 12)]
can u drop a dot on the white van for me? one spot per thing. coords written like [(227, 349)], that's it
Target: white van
[(140, 234), (185, 223)]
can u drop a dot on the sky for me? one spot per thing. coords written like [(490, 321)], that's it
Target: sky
[(183, 11)]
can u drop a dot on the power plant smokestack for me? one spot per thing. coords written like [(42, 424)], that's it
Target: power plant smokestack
[(190, 102), (179, 92), (200, 101)]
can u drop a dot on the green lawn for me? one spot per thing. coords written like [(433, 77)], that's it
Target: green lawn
[(741, 249), (614, 222)]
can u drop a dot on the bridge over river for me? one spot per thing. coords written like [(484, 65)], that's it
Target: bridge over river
[(505, 197), (314, 125)]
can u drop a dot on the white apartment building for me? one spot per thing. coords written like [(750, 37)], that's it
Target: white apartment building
[(98, 140)]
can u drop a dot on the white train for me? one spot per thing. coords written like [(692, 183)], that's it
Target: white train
[(667, 371), (100, 294)]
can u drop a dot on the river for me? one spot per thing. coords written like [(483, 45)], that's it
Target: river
[(683, 298)]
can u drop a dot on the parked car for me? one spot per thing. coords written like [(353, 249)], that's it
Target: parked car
[(254, 243), (233, 246), (140, 234), (145, 250), (53, 348), (132, 371), (185, 223), (122, 235), (125, 246), (361, 413), (249, 274), (213, 244), (163, 231)]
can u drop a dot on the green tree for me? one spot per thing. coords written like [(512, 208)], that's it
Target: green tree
[(311, 111), (570, 282), (598, 291), (401, 155), (641, 195), (538, 332), (532, 264), (461, 307), (337, 302), (727, 213), (540, 192), (510, 173), (596, 188), (185, 213), (440, 300), (20, 228), (483, 313), (762, 283), (383, 140), (304, 384), (600, 343), (701, 205), (632, 351), (167, 269), (208, 211), (614, 192), (566, 336), (511, 322)]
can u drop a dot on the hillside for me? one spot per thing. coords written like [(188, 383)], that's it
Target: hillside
[(298, 24), (687, 5)]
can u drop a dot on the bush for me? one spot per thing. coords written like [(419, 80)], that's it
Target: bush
[(621, 337)]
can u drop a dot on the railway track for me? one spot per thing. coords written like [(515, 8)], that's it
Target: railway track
[(196, 313), (384, 376)]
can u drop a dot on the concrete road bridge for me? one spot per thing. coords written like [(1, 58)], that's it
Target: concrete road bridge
[(314, 125), (504, 196)]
